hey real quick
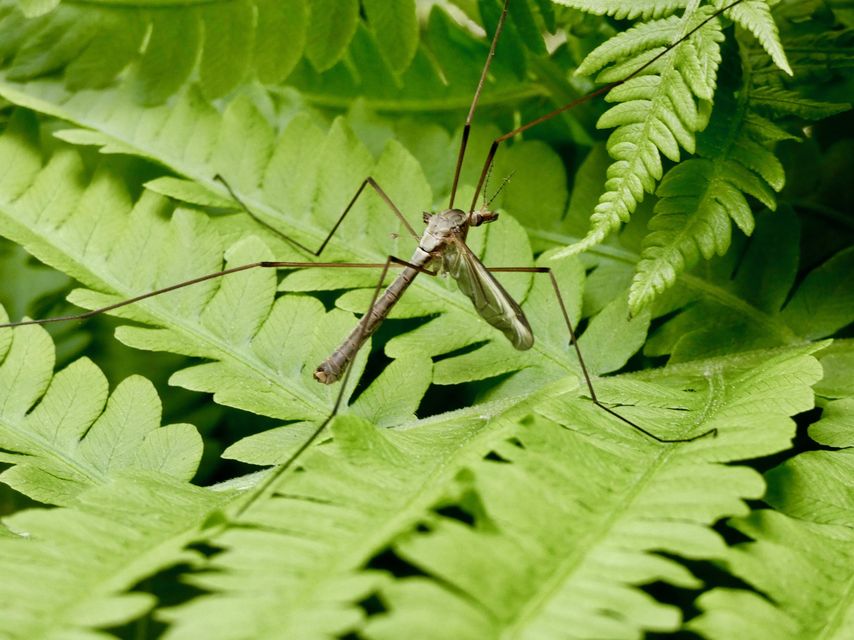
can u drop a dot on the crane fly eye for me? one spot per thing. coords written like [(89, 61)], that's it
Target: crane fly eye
[(425, 216)]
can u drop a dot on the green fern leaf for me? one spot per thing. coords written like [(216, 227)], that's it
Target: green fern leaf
[(281, 32), (564, 561), (167, 63), (331, 168), (622, 10), (332, 26), (700, 196), (659, 117), (396, 30), (241, 347), (368, 488), (781, 101), (70, 572), (63, 435), (756, 18), (804, 601), (361, 489), (227, 46), (759, 305)]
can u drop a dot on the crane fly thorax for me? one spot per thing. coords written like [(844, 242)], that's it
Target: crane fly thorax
[(442, 227)]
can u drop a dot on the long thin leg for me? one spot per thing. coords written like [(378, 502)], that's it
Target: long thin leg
[(574, 103), (467, 128), (587, 379), (265, 487), (369, 181), (265, 264)]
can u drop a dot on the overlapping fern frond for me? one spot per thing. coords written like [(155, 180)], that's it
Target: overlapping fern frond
[(527, 513), (71, 571), (811, 535), (661, 110), (222, 43), (489, 558), (257, 347), (61, 433), (669, 109), (699, 198)]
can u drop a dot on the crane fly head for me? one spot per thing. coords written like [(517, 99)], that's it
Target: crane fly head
[(456, 220)]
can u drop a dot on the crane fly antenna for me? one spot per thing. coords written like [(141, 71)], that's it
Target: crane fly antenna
[(503, 184)]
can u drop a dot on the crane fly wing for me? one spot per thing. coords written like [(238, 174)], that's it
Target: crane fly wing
[(489, 298)]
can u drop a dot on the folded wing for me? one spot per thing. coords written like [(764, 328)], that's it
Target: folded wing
[(490, 299)]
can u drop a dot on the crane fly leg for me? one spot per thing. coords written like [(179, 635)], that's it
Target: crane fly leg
[(585, 373), (265, 487), (367, 182)]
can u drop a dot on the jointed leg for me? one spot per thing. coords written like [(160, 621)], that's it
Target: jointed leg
[(584, 371), (264, 264), (254, 265), (316, 252), (548, 116), (467, 127), (264, 489)]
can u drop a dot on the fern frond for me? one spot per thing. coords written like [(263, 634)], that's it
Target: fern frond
[(304, 547), (606, 501), (622, 10), (756, 303), (70, 572), (61, 433), (811, 598), (658, 114), (583, 554), (755, 16), (222, 44), (698, 198), (262, 359)]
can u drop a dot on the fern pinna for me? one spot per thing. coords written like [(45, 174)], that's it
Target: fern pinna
[(485, 496)]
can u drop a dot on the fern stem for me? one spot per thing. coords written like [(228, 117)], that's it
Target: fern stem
[(830, 213), (618, 254), (496, 98)]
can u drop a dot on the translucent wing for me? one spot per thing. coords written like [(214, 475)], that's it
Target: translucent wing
[(490, 299)]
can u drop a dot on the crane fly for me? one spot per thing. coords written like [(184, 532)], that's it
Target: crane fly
[(441, 248)]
